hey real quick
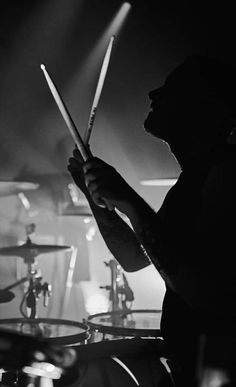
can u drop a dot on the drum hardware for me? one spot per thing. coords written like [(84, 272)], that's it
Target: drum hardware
[(6, 295), (51, 341), (31, 361), (34, 291), (29, 251), (120, 291)]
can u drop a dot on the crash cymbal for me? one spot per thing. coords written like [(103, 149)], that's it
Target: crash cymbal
[(6, 296), (29, 250), (163, 182), (15, 187)]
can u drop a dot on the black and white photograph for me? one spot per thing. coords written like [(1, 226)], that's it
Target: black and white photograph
[(117, 193)]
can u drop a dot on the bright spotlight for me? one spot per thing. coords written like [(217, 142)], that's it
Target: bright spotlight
[(119, 19)]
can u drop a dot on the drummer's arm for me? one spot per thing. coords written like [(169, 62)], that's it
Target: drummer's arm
[(118, 236), (120, 239)]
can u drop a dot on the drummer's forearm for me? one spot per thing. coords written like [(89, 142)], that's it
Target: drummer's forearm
[(147, 229), (136, 247), (123, 244), (120, 239)]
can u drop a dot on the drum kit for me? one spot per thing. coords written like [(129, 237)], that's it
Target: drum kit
[(47, 336)]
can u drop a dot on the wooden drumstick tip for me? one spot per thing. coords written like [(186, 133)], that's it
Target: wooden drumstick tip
[(42, 66)]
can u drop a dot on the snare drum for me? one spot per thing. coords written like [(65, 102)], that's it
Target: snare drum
[(119, 324)]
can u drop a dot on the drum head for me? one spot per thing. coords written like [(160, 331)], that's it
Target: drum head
[(56, 331), (139, 322)]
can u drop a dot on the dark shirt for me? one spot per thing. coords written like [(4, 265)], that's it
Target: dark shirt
[(194, 246)]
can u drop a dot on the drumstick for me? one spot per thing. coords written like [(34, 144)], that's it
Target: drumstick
[(71, 126), (98, 91), (66, 115)]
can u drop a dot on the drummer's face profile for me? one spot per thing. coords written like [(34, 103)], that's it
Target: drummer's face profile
[(180, 103), (163, 108)]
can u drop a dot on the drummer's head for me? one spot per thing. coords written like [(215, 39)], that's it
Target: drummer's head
[(196, 104)]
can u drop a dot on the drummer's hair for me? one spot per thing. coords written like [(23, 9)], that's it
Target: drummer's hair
[(219, 76), (219, 80)]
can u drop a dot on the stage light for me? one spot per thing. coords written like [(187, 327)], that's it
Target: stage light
[(164, 182), (97, 303), (119, 19), (88, 72)]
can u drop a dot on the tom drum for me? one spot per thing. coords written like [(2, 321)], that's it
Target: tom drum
[(120, 324)]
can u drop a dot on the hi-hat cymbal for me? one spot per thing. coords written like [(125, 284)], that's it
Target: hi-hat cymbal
[(15, 187), (31, 250), (6, 296)]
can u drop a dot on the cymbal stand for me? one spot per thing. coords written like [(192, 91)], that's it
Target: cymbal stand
[(34, 291), (36, 288)]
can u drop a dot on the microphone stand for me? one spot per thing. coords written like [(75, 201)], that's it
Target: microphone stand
[(120, 291)]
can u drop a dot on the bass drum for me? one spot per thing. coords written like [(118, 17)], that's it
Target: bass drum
[(117, 363), (119, 324)]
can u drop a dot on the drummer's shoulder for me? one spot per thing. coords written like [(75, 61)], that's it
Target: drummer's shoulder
[(219, 189)]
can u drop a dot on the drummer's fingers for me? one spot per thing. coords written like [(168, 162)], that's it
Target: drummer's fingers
[(76, 174), (74, 163), (98, 192), (77, 155), (96, 174), (95, 162), (89, 179), (94, 186)]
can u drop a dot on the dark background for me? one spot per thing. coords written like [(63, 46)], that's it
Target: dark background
[(62, 34)]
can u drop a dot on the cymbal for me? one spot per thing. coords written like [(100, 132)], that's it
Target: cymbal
[(29, 249), (15, 187), (163, 182), (6, 296)]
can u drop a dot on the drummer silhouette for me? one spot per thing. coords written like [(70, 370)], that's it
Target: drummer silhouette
[(190, 239)]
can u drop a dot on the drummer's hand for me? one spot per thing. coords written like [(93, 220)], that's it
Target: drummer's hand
[(77, 173), (105, 183), (75, 168)]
